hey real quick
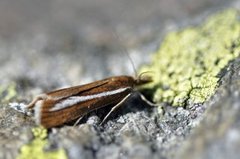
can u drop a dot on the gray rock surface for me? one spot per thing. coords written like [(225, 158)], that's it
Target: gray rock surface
[(218, 134), (50, 44)]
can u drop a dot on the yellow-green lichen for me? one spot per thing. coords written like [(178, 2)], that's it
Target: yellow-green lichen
[(188, 62), (7, 92), (35, 149)]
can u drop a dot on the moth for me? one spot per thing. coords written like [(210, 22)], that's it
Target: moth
[(64, 105)]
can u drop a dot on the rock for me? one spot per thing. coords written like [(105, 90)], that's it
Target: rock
[(218, 135)]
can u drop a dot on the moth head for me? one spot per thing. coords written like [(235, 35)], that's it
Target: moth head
[(143, 78)]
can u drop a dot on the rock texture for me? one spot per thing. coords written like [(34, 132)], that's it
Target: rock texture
[(218, 135), (41, 54)]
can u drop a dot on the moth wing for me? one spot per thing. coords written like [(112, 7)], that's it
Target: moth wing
[(67, 92), (53, 113)]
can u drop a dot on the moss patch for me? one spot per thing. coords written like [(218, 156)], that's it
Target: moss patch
[(187, 65), (35, 149)]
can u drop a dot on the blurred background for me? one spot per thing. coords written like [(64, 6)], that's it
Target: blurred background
[(49, 44), (59, 43)]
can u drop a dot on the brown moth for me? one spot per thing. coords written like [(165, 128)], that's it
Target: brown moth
[(64, 105)]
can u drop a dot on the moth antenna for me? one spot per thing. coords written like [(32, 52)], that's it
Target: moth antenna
[(125, 51)]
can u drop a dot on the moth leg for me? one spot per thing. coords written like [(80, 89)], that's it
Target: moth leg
[(39, 97), (115, 107), (147, 101), (80, 118)]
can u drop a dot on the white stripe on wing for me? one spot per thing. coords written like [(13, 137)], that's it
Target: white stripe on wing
[(77, 99)]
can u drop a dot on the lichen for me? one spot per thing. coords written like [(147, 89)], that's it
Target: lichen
[(188, 63), (7, 92), (35, 149)]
